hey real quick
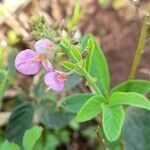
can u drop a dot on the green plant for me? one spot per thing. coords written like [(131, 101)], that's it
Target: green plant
[(77, 59)]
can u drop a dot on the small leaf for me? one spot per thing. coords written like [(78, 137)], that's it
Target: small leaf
[(51, 142), (19, 121), (139, 86), (84, 41), (65, 42), (9, 146), (98, 65), (90, 109), (52, 119), (90, 47), (74, 102), (76, 53), (31, 136), (129, 98), (90, 132), (70, 66), (112, 121), (71, 22)]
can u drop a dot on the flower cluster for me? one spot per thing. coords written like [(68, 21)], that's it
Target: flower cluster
[(29, 62)]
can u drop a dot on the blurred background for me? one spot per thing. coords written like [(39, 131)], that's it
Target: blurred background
[(116, 25)]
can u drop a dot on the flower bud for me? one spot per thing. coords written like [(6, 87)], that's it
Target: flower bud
[(136, 2), (75, 41), (85, 54), (55, 25), (73, 31), (62, 25), (43, 45), (57, 40)]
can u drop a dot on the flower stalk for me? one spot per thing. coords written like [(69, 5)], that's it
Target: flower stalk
[(82, 69), (141, 44)]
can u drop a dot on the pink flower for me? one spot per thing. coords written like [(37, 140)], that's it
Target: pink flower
[(29, 62), (55, 80)]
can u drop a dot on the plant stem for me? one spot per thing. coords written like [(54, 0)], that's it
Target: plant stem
[(86, 74), (82, 69), (140, 46), (89, 79)]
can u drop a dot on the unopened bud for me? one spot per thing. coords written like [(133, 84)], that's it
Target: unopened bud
[(57, 40), (43, 20), (73, 31), (85, 54), (58, 33), (136, 2), (74, 41), (55, 26), (62, 24), (147, 19)]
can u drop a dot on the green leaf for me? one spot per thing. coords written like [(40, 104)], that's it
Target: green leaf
[(129, 98), (98, 65), (99, 68), (112, 121), (90, 132), (76, 15), (70, 66), (52, 119), (9, 146), (74, 102), (90, 48), (64, 136), (19, 121), (139, 86), (49, 145), (137, 128), (3, 81), (31, 136), (84, 42), (90, 109), (76, 53)]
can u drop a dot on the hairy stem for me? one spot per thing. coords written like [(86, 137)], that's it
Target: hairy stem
[(140, 46)]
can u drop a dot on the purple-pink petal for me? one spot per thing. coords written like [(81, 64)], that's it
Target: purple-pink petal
[(43, 45), (24, 62), (52, 81)]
